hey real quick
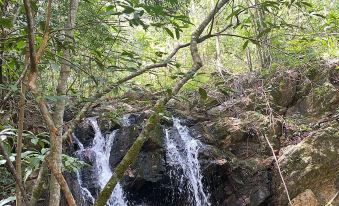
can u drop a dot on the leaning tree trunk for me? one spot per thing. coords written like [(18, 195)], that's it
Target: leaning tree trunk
[(133, 152), (56, 146)]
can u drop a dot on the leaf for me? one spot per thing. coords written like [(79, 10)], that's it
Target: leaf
[(177, 33), (177, 65), (7, 200), (234, 13), (35, 141), (6, 22), (203, 93), (320, 15), (169, 32), (2, 162), (245, 44), (28, 172), (306, 3), (21, 44), (128, 9)]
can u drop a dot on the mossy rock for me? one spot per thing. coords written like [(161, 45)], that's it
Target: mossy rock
[(311, 164)]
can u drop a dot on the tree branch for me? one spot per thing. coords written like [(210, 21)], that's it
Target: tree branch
[(100, 96), (44, 42)]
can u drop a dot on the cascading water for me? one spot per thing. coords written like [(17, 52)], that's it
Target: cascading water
[(182, 152), (101, 148), (182, 156), (102, 151), (86, 194)]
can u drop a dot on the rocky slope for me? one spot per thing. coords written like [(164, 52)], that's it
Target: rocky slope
[(296, 110)]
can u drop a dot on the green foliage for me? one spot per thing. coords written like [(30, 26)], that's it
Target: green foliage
[(35, 148), (72, 164)]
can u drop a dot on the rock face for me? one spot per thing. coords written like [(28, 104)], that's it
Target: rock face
[(312, 164), (227, 179), (236, 162), (305, 198)]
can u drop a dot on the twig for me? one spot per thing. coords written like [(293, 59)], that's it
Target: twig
[(279, 170), (331, 200), (271, 118)]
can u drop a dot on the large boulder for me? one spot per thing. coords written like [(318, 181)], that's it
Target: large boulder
[(284, 87), (237, 134), (312, 164), (323, 98)]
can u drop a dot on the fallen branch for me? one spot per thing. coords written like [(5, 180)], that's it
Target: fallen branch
[(279, 170)]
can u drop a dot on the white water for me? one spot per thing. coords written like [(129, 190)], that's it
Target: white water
[(102, 149), (86, 194), (183, 157)]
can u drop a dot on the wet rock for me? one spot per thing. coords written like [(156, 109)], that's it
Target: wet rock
[(107, 125), (85, 133), (232, 181), (123, 141)]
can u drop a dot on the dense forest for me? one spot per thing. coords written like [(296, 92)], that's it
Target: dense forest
[(169, 102)]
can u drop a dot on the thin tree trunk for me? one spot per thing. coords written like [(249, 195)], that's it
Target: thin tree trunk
[(263, 50), (152, 122), (38, 186), (21, 118), (218, 63), (1, 70), (32, 77), (56, 146)]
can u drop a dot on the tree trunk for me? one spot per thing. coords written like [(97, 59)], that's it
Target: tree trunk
[(56, 146), (32, 77), (264, 53), (21, 118)]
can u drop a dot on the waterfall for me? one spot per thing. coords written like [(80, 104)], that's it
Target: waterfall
[(86, 194), (102, 148), (182, 151), (182, 156)]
